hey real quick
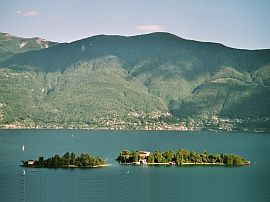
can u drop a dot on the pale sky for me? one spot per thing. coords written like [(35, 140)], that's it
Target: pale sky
[(234, 23)]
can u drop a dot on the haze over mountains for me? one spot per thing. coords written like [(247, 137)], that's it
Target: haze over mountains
[(111, 76)]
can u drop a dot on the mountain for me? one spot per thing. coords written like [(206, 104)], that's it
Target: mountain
[(111, 77), (9, 44)]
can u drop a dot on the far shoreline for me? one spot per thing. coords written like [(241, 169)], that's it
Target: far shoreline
[(114, 130)]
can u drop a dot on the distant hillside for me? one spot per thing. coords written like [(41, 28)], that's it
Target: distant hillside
[(112, 76), (10, 44)]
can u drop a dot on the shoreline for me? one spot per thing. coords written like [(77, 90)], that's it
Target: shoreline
[(70, 166), (114, 130), (184, 164)]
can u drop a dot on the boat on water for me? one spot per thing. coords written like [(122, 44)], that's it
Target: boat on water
[(127, 172), (23, 147), (23, 173)]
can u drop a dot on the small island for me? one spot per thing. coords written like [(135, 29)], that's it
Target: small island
[(68, 160), (181, 157)]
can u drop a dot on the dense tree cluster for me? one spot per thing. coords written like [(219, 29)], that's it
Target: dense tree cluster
[(128, 157), (67, 160), (182, 156)]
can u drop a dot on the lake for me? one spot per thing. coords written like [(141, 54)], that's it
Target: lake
[(143, 183)]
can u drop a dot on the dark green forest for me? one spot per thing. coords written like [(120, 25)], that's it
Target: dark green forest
[(182, 156), (66, 161), (109, 77)]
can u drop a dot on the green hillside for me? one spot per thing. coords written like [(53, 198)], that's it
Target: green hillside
[(85, 91), (10, 45), (229, 93), (135, 81)]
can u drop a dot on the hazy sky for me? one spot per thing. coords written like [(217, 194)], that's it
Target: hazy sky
[(235, 23)]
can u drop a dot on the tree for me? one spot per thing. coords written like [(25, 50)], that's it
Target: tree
[(179, 156), (214, 158), (168, 156), (193, 157), (40, 162), (158, 157), (151, 158), (227, 159), (66, 155), (187, 155), (66, 159), (85, 159), (230, 159), (124, 157), (72, 158), (134, 157), (204, 158), (49, 163), (198, 158), (238, 160)]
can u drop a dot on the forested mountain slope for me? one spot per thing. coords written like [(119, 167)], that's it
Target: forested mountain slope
[(10, 45), (113, 76)]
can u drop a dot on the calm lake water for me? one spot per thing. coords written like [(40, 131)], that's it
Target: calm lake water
[(143, 183)]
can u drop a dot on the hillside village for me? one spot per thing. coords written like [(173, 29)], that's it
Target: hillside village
[(149, 121)]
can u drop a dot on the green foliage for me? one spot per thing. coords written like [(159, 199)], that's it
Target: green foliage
[(151, 159), (135, 156), (128, 157), (158, 157), (168, 156), (10, 45), (179, 156), (67, 160), (225, 100), (182, 156), (124, 157), (106, 77)]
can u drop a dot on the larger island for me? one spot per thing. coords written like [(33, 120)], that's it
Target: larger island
[(180, 157)]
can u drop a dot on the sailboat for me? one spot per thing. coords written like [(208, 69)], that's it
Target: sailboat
[(23, 147), (23, 173)]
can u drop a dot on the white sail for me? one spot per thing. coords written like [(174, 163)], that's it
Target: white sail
[(23, 173), (23, 148)]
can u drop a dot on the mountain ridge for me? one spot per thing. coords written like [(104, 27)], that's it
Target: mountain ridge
[(171, 40), (152, 72)]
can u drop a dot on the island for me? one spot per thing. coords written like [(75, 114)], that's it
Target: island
[(68, 160), (180, 157)]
